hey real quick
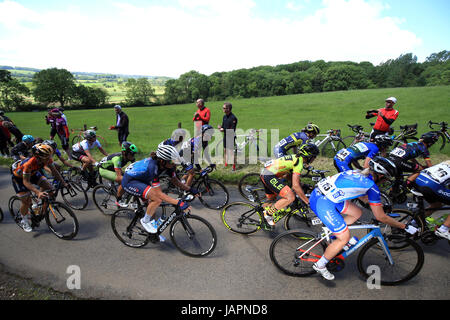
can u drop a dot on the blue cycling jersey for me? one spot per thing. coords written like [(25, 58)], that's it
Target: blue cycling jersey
[(146, 171), (358, 151), (410, 151), (170, 142), (349, 185), (295, 139), (436, 180)]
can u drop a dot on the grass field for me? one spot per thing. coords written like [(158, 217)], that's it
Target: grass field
[(151, 125)]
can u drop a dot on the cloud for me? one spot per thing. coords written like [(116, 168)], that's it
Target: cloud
[(206, 36)]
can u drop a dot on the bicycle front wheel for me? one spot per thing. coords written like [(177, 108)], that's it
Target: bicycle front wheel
[(61, 221), (14, 205), (295, 251), (252, 180), (214, 195), (193, 236), (104, 200), (127, 228), (403, 216), (373, 262), (331, 147), (303, 220), (76, 139), (74, 196), (242, 217)]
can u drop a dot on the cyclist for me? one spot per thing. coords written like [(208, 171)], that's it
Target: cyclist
[(434, 184), (59, 127), (177, 137), (110, 167), (56, 152), (81, 152), (22, 150), (385, 117), (345, 158), (296, 139), (330, 199), (142, 179), (404, 155), (273, 173), (27, 173)]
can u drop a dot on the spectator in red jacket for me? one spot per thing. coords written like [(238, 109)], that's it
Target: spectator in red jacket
[(385, 117), (201, 116)]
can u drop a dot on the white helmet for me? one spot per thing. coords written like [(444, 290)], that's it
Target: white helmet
[(393, 99), (167, 153)]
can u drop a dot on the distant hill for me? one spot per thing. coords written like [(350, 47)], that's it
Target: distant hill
[(25, 74)]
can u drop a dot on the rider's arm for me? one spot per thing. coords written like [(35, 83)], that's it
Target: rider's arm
[(27, 183), (56, 174), (102, 151), (298, 188), (89, 155), (65, 162), (382, 217)]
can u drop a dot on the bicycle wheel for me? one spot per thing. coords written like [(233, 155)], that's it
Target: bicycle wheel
[(61, 220), (104, 200), (295, 251), (75, 197), (78, 179), (303, 220), (1, 215), (242, 217), (403, 216), (193, 236), (76, 139), (331, 147), (404, 140), (14, 205), (252, 180), (214, 195), (407, 262), (349, 141), (439, 145), (127, 228)]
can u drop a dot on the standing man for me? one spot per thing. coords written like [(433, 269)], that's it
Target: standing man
[(201, 116), (121, 124), (228, 127), (385, 117)]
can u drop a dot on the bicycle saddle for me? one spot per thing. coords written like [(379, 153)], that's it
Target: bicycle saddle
[(356, 128), (409, 127)]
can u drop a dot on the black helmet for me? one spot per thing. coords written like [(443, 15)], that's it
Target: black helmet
[(51, 143), (309, 151), (383, 166), (128, 147), (429, 138), (383, 141)]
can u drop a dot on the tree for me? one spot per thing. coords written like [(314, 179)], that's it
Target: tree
[(139, 92), (12, 92), (90, 97), (54, 86)]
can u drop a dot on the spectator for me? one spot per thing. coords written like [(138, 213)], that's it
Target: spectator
[(3, 142), (121, 126), (14, 130), (201, 116), (228, 127), (5, 132), (385, 117), (59, 127), (63, 115)]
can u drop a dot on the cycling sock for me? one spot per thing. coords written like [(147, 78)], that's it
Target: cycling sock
[(270, 210), (146, 218), (322, 262)]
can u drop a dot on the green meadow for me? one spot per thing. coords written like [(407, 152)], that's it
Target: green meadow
[(288, 114)]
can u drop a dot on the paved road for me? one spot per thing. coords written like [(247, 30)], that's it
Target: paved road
[(239, 268)]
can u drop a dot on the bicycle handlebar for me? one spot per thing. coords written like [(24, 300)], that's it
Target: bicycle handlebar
[(443, 124)]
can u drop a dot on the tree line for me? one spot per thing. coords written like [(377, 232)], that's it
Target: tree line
[(58, 86), (308, 77)]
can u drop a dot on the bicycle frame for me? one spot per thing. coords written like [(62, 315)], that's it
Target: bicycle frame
[(375, 233), (333, 135)]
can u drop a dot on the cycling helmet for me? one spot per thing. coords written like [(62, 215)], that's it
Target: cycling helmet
[(41, 150), (89, 134), (167, 153), (55, 112), (308, 151), (206, 127), (28, 138), (383, 141), (128, 147), (311, 127), (383, 166), (51, 143), (430, 138)]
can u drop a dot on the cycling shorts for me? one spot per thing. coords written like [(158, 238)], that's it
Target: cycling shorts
[(328, 212), (77, 156), (274, 186), (108, 174), (18, 185), (135, 187)]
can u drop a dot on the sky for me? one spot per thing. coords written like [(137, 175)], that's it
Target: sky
[(172, 37)]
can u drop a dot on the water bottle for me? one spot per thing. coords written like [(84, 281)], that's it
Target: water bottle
[(35, 208), (353, 240)]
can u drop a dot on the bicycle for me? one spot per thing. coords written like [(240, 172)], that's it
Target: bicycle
[(252, 138), (253, 179), (74, 196), (60, 219), (192, 235), (79, 136), (247, 218), (82, 178), (360, 135), (295, 251), (105, 199), (407, 134), (330, 144), (212, 193), (444, 135)]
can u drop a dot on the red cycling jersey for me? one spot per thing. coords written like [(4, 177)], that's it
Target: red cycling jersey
[(380, 124)]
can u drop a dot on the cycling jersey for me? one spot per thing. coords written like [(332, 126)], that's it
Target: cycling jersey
[(28, 166), (410, 151), (85, 145), (295, 139), (20, 149), (361, 150), (112, 161), (329, 200), (279, 167), (434, 183)]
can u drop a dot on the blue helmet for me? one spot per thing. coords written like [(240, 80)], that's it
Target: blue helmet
[(28, 138)]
